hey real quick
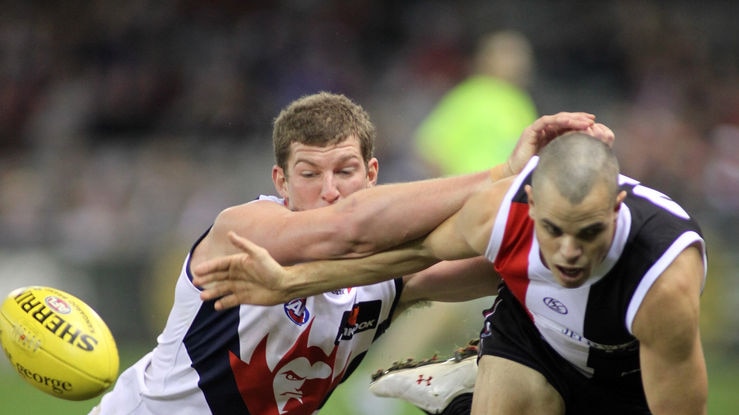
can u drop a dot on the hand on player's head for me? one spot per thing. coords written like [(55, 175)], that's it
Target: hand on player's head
[(547, 128), (250, 277), (542, 131), (601, 132)]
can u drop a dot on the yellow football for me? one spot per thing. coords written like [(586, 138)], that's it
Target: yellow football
[(58, 343)]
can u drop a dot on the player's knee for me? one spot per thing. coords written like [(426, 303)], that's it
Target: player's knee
[(505, 387)]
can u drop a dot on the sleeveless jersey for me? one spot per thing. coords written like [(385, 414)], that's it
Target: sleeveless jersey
[(591, 326), (253, 360)]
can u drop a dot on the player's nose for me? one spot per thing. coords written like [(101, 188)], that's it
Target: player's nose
[(329, 190), (570, 249)]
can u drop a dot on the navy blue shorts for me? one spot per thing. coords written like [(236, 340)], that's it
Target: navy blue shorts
[(509, 333)]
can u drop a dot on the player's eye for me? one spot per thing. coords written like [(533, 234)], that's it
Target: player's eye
[(551, 229), (591, 232), (347, 171)]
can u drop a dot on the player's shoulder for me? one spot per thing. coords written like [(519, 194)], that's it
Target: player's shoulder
[(489, 198), (245, 219), (252, 210), (655, 210), (679, 285)]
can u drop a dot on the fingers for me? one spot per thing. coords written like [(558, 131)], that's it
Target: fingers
[(218, 269), (251, 276), (245, 245), (211, 271), (226, 302), (223, 293), (547, 128), (542, 131), (603, 133), (212, 266), (212, 291), (550, 126), (565, 119)]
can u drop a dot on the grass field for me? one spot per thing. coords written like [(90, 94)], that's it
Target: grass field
[(17, 397)]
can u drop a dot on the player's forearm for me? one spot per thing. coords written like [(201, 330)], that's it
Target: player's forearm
[(317, 277), (383, 217), (683, 402), (686, 395), (675, 387)]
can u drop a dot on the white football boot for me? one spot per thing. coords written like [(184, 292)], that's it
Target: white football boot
[(436, 386)]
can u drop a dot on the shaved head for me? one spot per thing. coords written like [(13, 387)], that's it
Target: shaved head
[(573, 164)]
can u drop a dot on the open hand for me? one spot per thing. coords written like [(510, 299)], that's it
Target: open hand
[(250, 277), (547, 128)]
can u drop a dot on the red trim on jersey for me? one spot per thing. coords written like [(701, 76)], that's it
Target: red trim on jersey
[(512, 262)]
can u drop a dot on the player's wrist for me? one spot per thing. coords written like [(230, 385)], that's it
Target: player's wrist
[(501, 171), (298, 281)]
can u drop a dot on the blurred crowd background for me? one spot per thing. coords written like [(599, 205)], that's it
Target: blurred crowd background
[(126, 126)]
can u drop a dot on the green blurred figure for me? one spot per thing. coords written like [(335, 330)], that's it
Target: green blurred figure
[(478, 121)]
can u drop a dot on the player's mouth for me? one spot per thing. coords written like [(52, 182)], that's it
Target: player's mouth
[(571, 274)]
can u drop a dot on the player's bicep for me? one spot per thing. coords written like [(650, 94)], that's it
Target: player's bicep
[(288, 236)]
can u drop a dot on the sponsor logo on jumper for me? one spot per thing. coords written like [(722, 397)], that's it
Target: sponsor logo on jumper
[(297, 312), (363, 316), (341, 291), (555, 305), (421, 380), (610, 348)]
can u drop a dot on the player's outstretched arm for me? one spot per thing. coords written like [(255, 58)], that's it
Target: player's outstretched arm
[(254, 277), (671, 355), (374, 219)]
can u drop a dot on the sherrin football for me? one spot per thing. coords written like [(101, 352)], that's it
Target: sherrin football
[(58, 343)]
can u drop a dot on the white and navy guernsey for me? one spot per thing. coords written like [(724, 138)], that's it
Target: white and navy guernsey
[(253, 360), (591, 326)]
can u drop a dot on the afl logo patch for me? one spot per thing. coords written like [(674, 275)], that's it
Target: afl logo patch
[(555, 305), (297, 312), (57, 304)]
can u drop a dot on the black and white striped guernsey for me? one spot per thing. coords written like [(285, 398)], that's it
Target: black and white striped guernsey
[(590, 326)]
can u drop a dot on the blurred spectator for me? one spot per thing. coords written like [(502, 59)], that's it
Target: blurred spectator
[(476, 124)]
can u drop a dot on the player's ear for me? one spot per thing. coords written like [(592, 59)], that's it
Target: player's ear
[(619, 199), (373, 167), (530, 198), (279, 178)]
